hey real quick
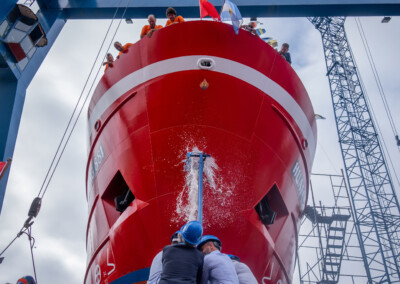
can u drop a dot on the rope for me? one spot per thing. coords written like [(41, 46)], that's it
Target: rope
[(64, 142), (43, 187), (16, 237), (375, 73), (32, 244), (385, 150), (86, 98)]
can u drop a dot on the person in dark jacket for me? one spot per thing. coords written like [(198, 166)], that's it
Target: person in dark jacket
[(285, 52), (156, 265), (182, 262)]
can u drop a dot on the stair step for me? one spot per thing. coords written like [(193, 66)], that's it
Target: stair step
[(333, 254), (334, 246), (336, 229), (335, 237), (332, 263), (331, 272)]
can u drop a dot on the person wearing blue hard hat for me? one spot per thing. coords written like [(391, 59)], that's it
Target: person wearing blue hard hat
[(156, 265), (191, 232), (182, 262), (243, 271), (218, 267)]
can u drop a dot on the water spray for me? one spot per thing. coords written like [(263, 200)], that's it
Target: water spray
[(202, 157)]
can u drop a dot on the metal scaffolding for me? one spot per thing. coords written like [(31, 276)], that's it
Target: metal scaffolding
[(329, 250), (373, 199)]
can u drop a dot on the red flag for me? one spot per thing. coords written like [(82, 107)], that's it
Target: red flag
[(3, 167), (208, 9)]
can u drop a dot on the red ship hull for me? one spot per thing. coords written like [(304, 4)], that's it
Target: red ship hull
[(251, 114)]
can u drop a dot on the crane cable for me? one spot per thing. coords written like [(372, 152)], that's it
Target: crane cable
[(377, 78), (387, 157), (36, 203)]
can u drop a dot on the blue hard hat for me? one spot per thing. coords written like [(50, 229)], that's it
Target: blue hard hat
[(174, 235), (234, 257), (208, 238), (191, 232)]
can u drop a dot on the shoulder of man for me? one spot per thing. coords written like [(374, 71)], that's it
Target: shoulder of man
[(180, 19)]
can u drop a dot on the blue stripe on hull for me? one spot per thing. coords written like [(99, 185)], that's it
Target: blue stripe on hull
[(133, 277)]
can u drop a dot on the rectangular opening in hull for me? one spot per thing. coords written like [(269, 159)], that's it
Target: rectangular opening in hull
[(272, 211), (116, 198)]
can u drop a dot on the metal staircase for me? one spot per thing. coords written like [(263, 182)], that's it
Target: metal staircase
[(334, 226)]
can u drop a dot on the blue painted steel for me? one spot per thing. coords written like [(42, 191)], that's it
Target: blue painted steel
[(134, 277), (13, 87), (374, 201), (202, 157), (5, 7), (95, 9)]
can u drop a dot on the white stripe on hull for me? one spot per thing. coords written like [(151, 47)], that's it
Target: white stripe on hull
[(222, 65)]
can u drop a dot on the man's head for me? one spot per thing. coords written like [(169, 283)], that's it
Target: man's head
[(152, 21), (284, 48), (252, 24), (110, 57), (118, 46), (209, 244), (175, 238), (171, 13)]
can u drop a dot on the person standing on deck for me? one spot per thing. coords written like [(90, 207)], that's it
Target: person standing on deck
[(172, 18), (121, 48), (182, 262), (285, 52), (151, 27), (109, 61)]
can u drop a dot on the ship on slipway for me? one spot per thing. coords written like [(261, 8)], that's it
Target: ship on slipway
[(197, 87)]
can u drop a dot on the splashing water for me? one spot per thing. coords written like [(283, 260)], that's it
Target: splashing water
[(187, 203)]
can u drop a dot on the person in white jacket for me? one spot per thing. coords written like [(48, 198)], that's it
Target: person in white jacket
[(218, 267), (243, 271)]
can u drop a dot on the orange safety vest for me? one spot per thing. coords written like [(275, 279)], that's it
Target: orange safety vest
[(146, 29), (178, 19)]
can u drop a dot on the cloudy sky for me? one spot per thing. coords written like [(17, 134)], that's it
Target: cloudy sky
[(61, 225)]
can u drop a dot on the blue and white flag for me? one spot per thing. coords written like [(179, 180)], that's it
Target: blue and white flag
[(230, 12), (260, 31)]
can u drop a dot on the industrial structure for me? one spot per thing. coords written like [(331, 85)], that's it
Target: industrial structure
[(329, 250), (374, 212), (374, 201)]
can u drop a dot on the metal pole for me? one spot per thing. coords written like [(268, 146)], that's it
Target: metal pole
[(200, 193), (202, 157)]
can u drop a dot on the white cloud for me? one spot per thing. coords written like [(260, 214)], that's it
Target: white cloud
[(61, 226)]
